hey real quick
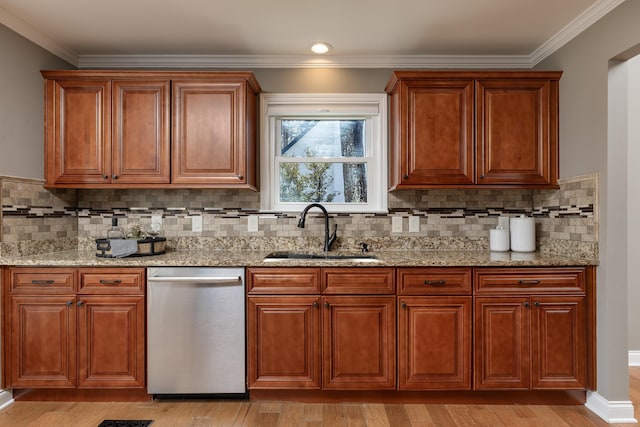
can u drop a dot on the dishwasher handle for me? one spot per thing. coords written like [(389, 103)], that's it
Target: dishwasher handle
[(220, 280)]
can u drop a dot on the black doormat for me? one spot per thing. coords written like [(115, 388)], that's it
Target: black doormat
[(125, 423)]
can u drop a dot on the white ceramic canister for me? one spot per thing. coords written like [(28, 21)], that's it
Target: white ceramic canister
[(498, 240), (523, 234)]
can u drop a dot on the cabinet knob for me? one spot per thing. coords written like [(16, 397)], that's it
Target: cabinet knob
[(405, 177), (315, 304), (80, 303), (240, 177), (435, 282), (105, 177), (326, 304), (526, 304), (114, 176), (68, 303), (536, 303), (403, 305), (42, 282)]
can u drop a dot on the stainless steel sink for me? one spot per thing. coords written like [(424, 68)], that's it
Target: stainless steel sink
[(301, 256)]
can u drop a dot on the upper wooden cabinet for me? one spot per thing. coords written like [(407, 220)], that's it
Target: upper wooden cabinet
[(150, 129), (466, 129), (214, 133)]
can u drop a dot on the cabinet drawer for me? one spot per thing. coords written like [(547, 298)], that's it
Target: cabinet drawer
[(434, 281), (358, 280), (529, 280), (42, 280), (283, 280), (111, 281)]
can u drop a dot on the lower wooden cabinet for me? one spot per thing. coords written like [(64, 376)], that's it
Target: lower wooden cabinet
[(434, 343), (42, 342), (358, 343), (441, 329), (284, 342), (536, 338), (111, 341), (330, 342), (59, 333)]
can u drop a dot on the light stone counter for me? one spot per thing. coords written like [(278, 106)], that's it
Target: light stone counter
[(248, 258)]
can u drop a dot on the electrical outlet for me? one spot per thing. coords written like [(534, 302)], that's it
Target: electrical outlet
[(252, 223), (414, 224), (196, 224), (156, 223), (396, 224)]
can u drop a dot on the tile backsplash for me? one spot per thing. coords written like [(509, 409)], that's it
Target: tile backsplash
[(33, 217)]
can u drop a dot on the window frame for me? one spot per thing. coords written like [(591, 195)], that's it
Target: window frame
[(368, 106)]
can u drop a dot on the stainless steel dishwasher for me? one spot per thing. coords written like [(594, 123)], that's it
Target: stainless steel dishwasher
[(196, 331)]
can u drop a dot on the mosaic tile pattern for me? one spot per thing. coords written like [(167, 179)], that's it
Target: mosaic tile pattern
[(448, 219)]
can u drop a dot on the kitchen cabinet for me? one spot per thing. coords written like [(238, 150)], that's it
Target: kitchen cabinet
[(473, 129), (214, 132), (150, 129), (74, 328), (531, 329), (434, 328), (283, 328), (321, 328)]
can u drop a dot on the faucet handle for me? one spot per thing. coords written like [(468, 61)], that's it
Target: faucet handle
[(364, 247)]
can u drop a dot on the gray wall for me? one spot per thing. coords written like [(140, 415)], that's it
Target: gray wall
[(22, 105), (633, 190), (593, 139)]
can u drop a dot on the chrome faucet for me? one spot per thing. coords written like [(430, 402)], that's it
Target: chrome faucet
[(328, 239)]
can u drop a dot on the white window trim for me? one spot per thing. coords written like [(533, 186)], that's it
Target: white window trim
[(372, 106)]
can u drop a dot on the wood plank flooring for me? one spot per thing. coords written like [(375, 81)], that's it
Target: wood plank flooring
[(285, 414)]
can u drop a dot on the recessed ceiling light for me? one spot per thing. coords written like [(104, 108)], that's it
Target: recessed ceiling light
[(320, 48)]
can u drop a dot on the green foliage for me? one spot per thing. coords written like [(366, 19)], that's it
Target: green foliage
[(310, 185)]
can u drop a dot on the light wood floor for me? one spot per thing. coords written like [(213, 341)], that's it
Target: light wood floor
[(227, 414)]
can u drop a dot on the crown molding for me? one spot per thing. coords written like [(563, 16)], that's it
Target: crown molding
[(31, 33), (293, 61), (573, 28)]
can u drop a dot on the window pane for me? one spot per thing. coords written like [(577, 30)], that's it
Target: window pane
[(322, 138), (323, 182)]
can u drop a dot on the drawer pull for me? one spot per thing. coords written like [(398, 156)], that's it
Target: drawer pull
[(110, 282), (43, 282), (435, 282), (529, 282)]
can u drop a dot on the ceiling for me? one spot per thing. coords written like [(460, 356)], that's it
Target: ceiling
[(278, 33)]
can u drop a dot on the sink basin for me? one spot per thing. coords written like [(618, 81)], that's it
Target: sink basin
[(300, 256)]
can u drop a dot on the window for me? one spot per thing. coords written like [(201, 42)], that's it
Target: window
[(329, 149)]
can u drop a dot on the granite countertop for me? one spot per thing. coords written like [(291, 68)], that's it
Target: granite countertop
[(247, 258)]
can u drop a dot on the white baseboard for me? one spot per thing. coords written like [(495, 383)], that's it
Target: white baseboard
[(613, 412), (634, 358), (6, 399)]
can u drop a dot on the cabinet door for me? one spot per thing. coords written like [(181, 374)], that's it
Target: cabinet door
[(434, 343), (501, 351), (558, 334), (209, 136), (43, 341), (359, 345), (111, 342), (284, 342), (436, 132), (77, 132), (140, 132), (517, 132)]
